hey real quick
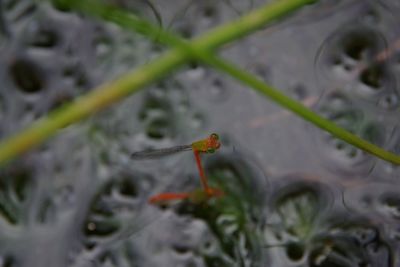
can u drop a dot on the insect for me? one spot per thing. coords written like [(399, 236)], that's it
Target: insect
[(207, 145), (196, 196)]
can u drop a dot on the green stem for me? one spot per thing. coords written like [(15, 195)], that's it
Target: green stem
[(86, 105), (107, 94), (199, 49)]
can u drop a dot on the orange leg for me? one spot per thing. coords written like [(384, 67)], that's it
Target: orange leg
[(203, 177), (167, 196), (195, 196), (215, 192)]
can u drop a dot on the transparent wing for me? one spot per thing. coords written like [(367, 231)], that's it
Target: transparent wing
[(156, 153)]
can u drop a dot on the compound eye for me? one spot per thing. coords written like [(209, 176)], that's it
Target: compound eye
[(210, 150), (214, 136)]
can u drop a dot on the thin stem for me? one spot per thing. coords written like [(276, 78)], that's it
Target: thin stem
[(168, 196), (108, 94), (203, 177), (199, 51)]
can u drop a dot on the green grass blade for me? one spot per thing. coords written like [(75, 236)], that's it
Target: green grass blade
[(198, 50), (109, 93)]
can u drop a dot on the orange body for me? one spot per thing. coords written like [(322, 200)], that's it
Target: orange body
[(208, 145)]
